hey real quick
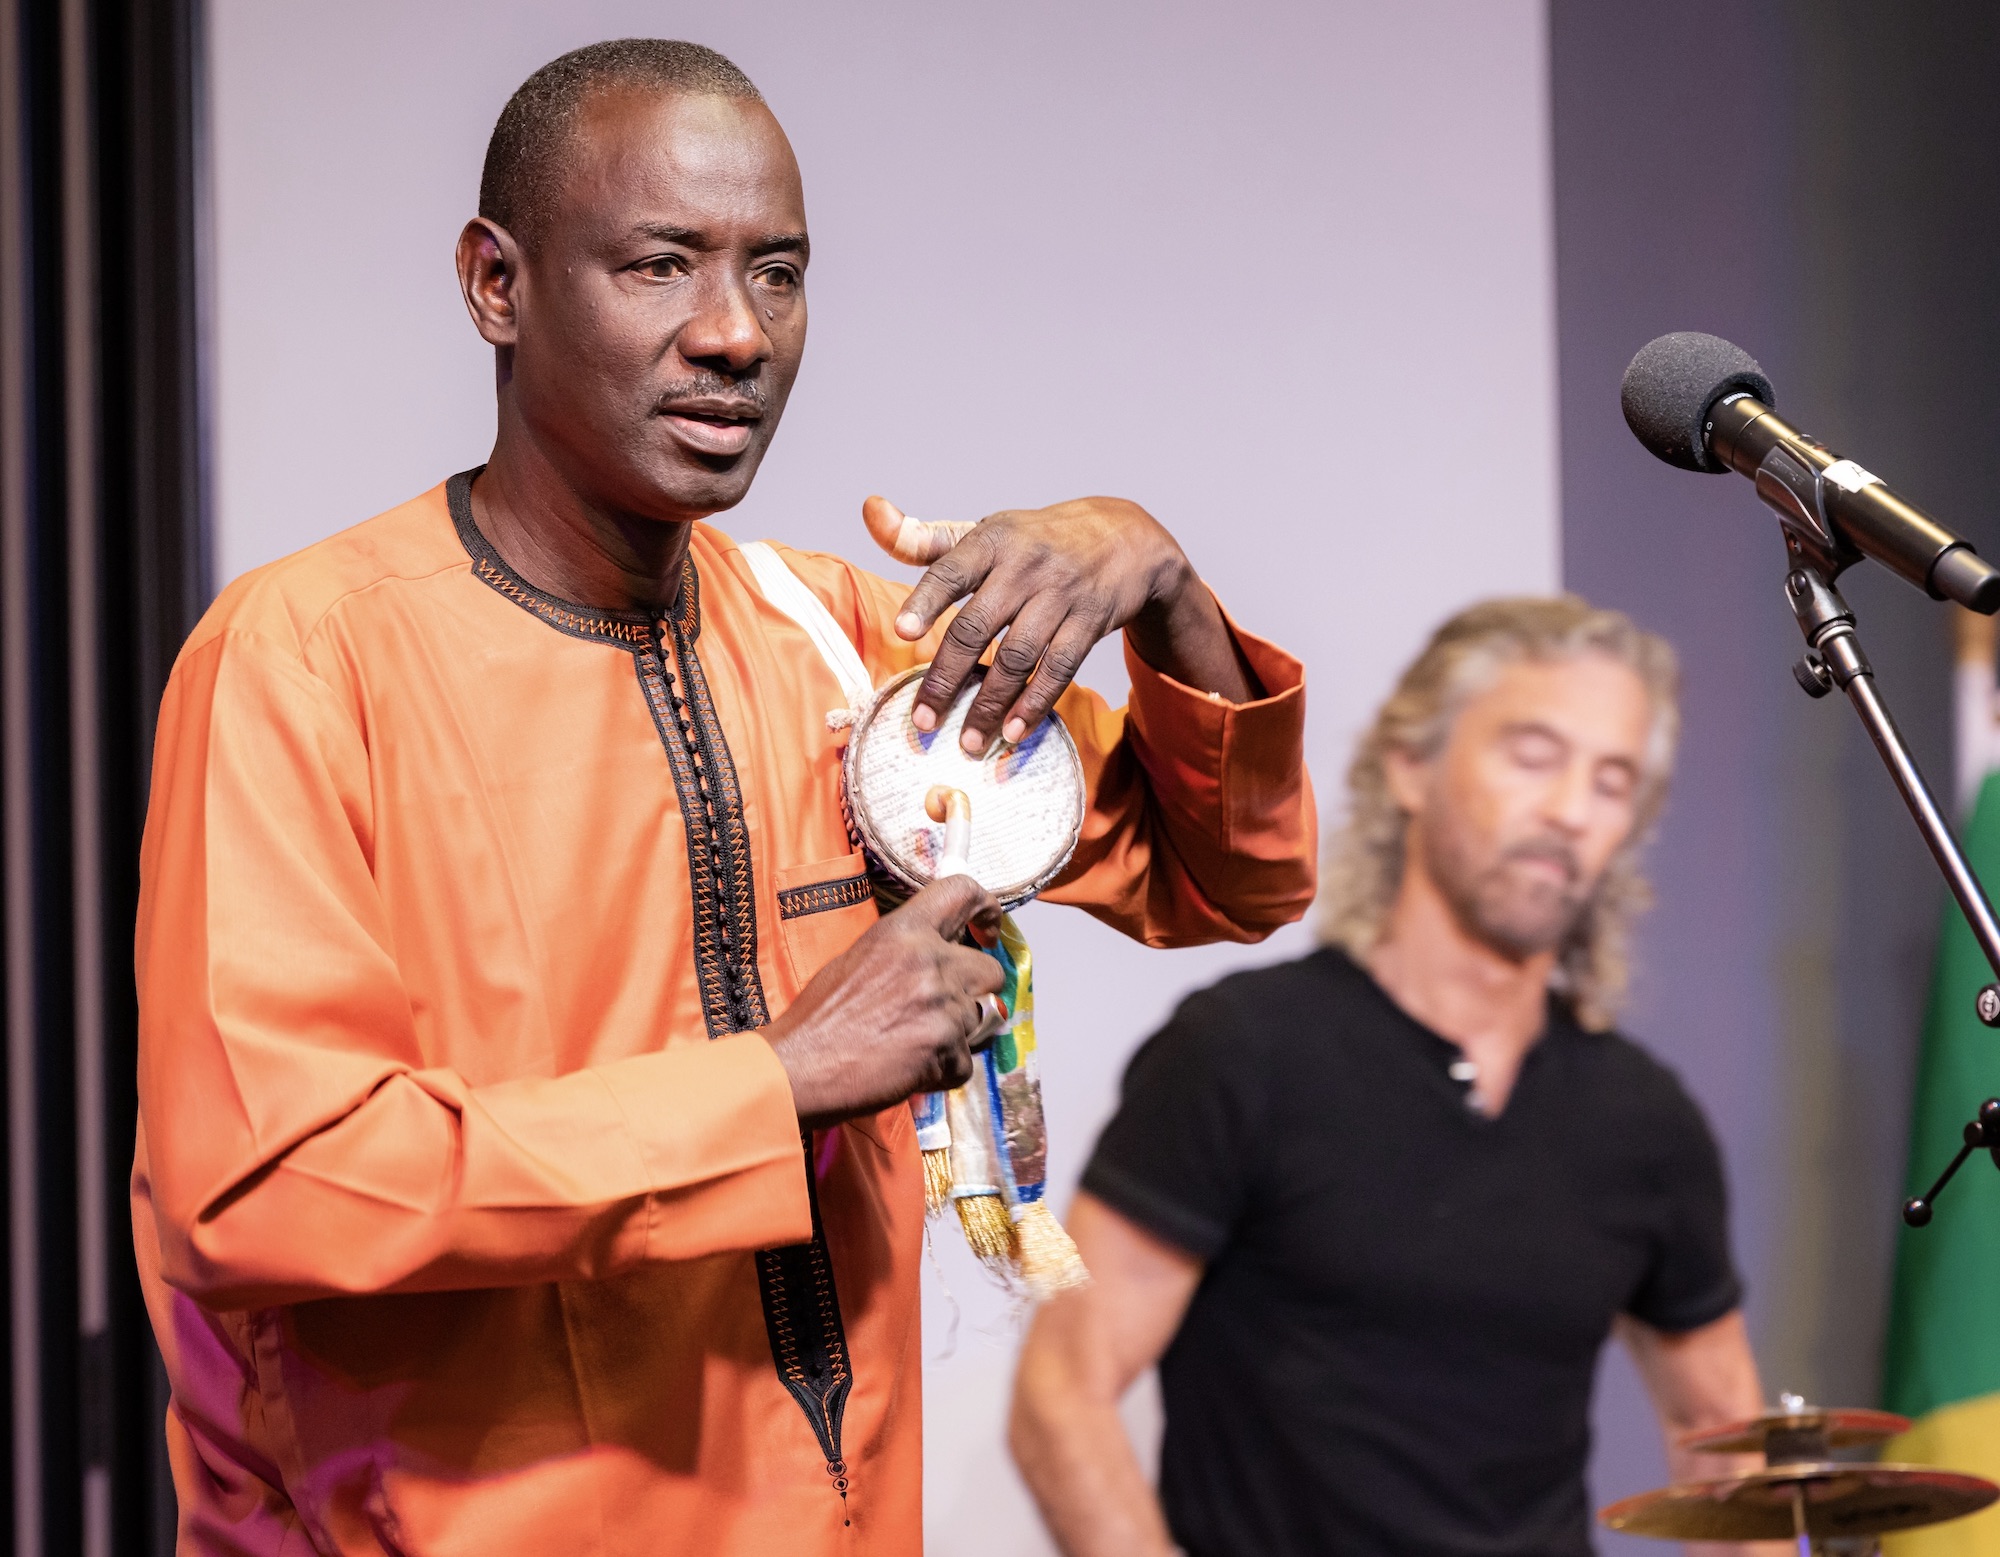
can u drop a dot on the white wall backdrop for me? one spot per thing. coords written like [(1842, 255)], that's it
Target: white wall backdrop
[(1283, 273)]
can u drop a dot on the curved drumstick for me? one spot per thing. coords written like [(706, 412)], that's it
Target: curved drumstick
[(953, 807), (917, 542)]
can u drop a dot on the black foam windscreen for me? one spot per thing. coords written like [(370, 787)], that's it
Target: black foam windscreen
[(1671, 384)]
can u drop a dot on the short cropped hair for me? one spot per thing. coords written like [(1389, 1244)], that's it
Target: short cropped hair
[(528, 155), (1364, 864)]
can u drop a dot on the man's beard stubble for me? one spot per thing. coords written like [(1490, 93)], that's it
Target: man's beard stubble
[(1517, 919)]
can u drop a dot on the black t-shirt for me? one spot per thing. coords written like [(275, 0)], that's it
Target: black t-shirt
[(1392, 1346)]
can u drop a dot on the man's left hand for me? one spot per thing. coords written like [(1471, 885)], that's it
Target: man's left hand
[(1047, 584)]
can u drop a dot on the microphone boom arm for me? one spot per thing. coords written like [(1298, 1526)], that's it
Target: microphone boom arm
[(1834, 658)]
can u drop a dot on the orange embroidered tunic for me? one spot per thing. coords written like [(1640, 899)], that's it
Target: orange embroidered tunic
[(472, 1212)]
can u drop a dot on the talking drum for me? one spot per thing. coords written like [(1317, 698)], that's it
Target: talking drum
[(924, 809), (1025, 798), (1010, 818)]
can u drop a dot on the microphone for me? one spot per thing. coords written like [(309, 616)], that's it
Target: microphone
[(1700, 403)]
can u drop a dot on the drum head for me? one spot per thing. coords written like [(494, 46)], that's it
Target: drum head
[(1027, 798)]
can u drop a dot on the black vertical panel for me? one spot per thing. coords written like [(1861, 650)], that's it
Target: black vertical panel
[(102, 573), (43, 1361), (14, 487), (155, 586), (152, 122)]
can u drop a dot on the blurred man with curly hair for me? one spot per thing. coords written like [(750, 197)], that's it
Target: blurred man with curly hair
[(1375, 1212)]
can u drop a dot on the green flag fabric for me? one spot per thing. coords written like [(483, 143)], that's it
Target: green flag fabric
[(1942, 1362)]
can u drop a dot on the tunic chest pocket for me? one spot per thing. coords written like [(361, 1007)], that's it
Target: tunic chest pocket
[(824, 907)]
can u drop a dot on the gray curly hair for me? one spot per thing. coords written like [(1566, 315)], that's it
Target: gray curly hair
[(1364, 864)]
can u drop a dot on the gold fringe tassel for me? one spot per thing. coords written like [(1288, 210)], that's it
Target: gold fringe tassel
[(989, 1231), (937, 1179), (1049, 1261)]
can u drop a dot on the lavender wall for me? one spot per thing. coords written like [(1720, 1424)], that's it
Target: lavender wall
[(1245, 264)]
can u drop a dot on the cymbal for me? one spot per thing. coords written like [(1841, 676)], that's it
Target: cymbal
[(1840, 1499), (1837, 1428)]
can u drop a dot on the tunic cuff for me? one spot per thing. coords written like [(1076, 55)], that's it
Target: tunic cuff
[(717, 1138), (1239, 762)]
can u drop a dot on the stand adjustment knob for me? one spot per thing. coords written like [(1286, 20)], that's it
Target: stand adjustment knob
[(1810, 671), (1987, 1004)]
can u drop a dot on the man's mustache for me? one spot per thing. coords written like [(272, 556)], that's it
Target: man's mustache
[(1553, 851), (714, 386)]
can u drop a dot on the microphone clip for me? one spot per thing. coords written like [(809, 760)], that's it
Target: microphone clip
[(1796, 493)]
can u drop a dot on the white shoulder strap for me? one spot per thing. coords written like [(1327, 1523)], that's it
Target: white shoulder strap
[(788, 592)]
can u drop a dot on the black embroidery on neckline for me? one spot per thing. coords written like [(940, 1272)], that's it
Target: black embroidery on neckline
[(801, 1305), (628, 629)]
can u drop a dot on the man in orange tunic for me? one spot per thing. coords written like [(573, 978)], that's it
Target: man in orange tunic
[(524, 1161)]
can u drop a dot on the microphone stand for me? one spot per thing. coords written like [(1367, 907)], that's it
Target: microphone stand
[(1834, 658)]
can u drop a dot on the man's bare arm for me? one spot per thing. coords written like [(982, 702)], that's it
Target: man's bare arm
[(1084, 1351), (1699, 1379)]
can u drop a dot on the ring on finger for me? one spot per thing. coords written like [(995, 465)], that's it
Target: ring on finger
[(992, 1016)]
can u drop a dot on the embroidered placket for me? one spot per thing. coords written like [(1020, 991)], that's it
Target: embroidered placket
[(801, 1304)]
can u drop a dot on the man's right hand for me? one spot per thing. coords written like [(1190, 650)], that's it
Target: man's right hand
[(893, 1014)]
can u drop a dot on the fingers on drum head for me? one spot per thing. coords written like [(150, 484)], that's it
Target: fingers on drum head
[(1026, 799)]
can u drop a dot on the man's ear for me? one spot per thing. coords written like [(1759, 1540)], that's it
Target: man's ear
[(489, 277), (1407, 779)]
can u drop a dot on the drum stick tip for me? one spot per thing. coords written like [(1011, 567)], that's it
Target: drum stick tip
[(944, 803)]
